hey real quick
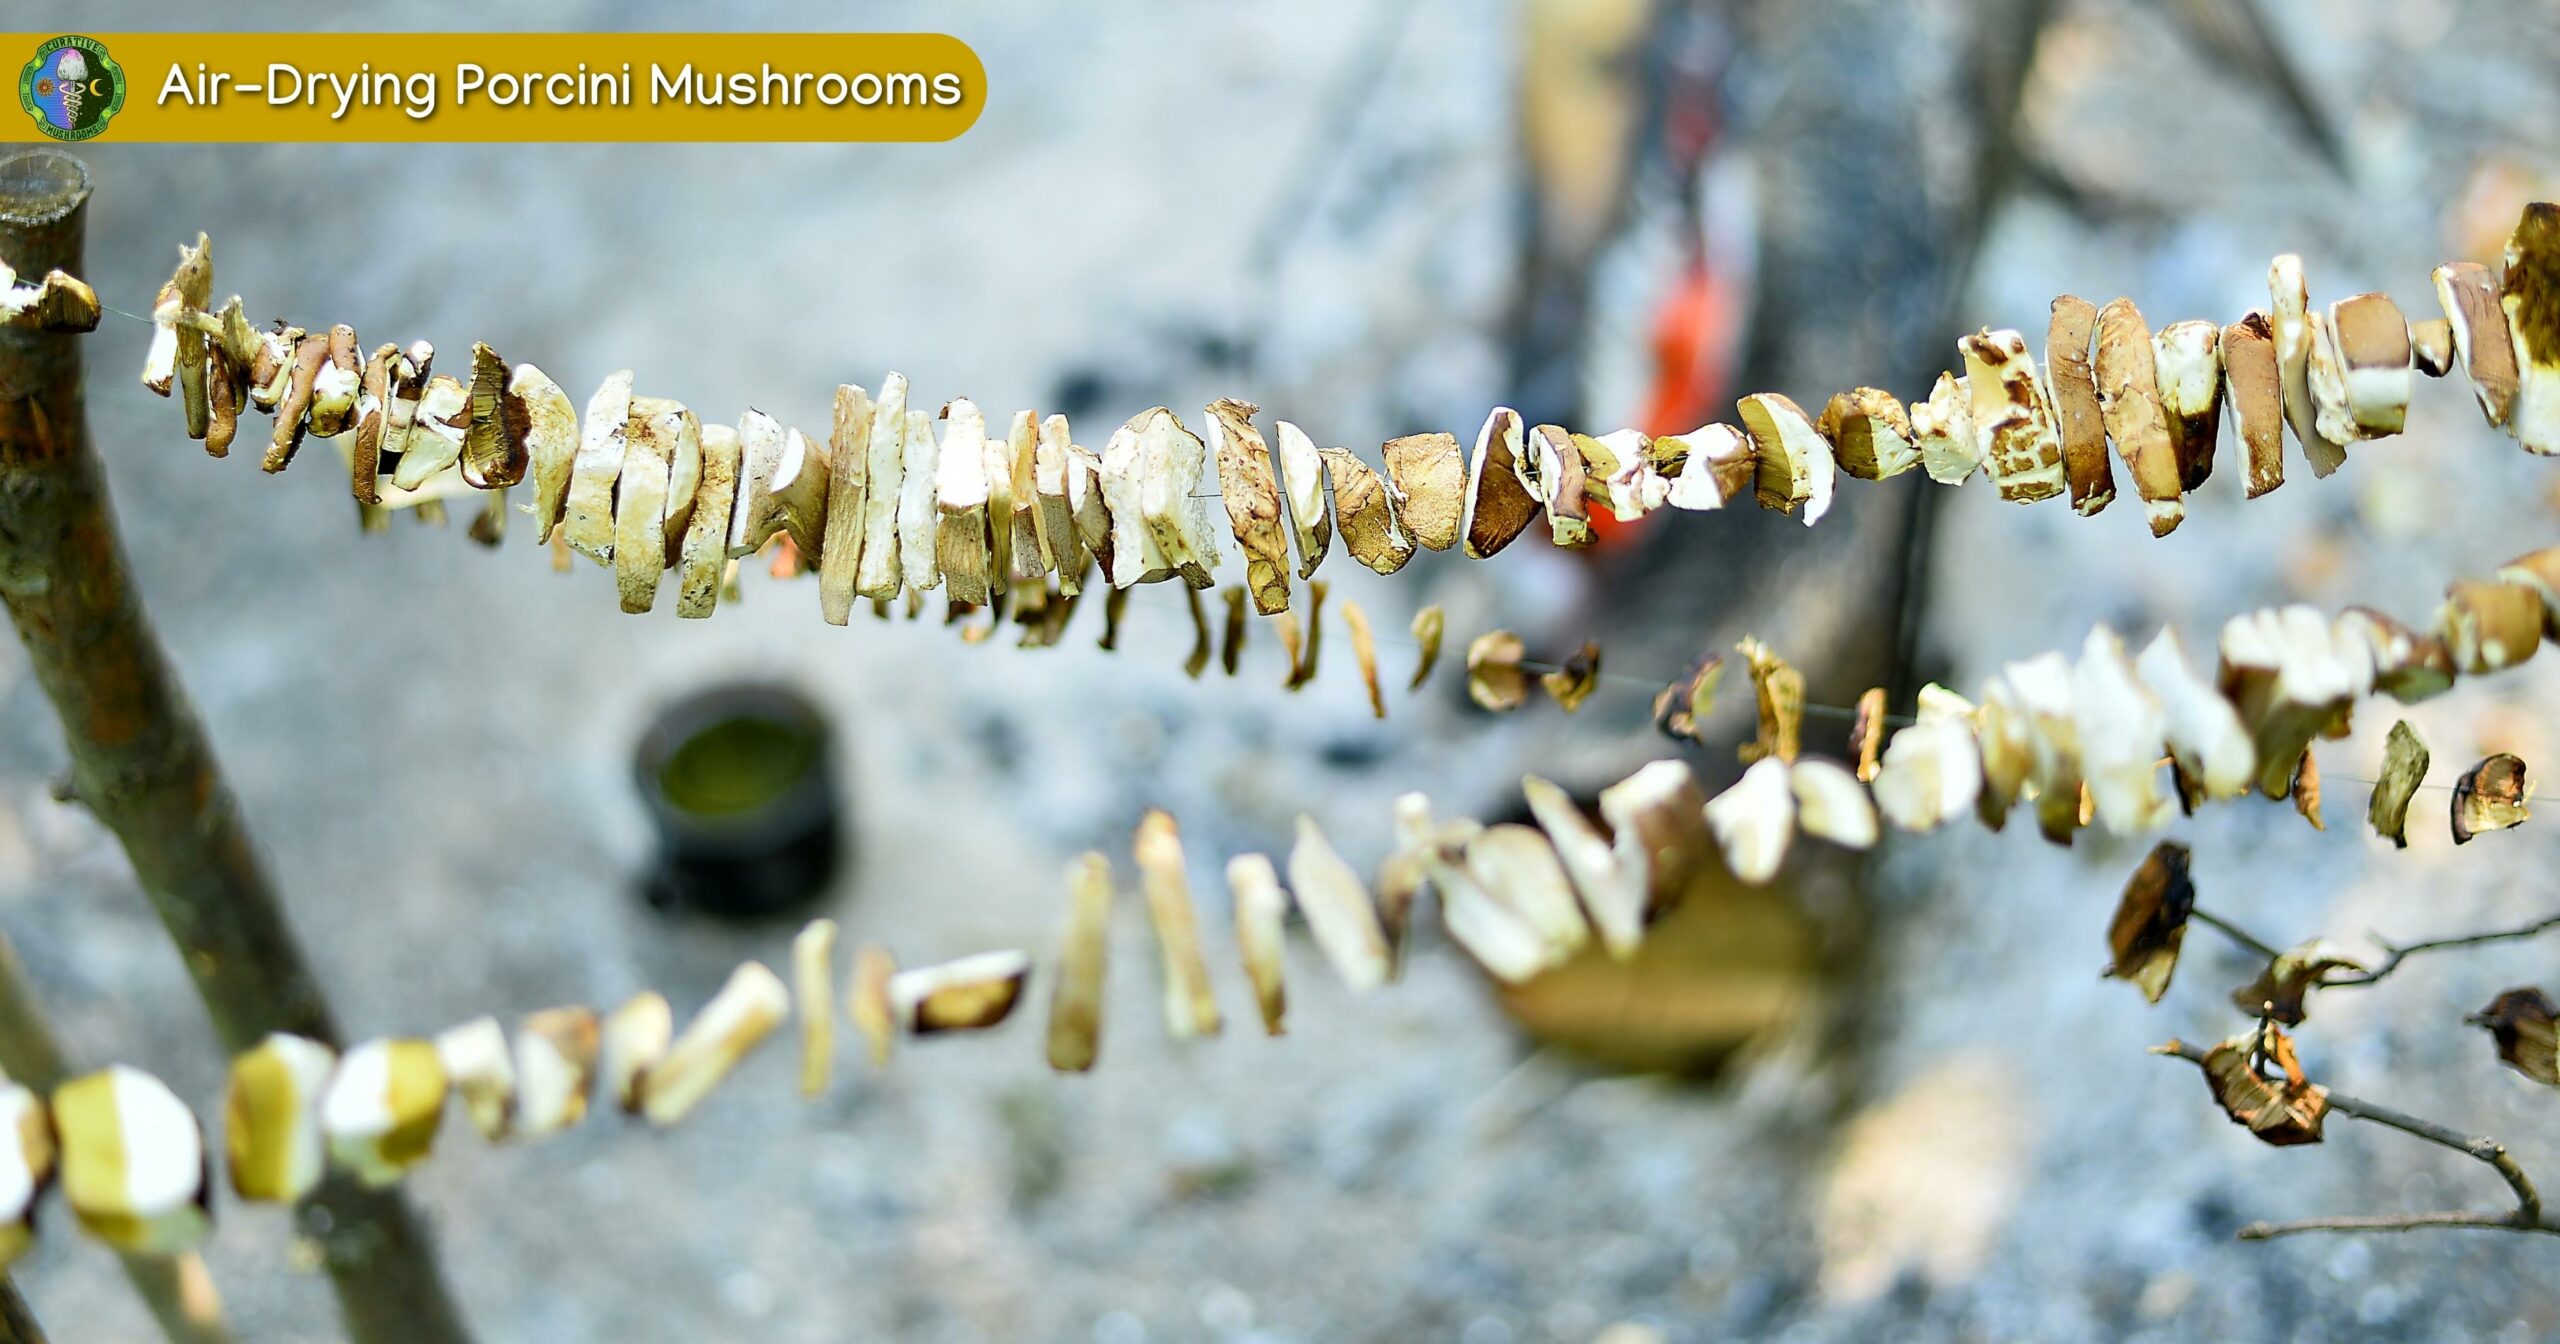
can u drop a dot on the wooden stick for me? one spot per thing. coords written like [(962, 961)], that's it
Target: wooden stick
[(141, 762)]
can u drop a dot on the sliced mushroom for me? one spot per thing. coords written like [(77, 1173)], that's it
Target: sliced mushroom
[(2211, 749), (1498, 507), (2290, 313), (1495, 680), (2289, 675), (2253, 385), (848, 503), (335, 384), (2491, 796), (602, 445), (974, 993), (1084, 965), (1717, 462), (663, 434), (1931, 771), (1364, 649), (729, 1028), (1754, 820), (1572, 683), (1174, 462), (963, 550), (482, 1071), (1517, 868), (1658, 830), (27, 1153), (1779, 688), (2129, 396), (1190, 1004), (1870, 435), (1942, 426), (813, 1000), (1427, 479), (635, 1041), (383, 1108), (879, 569), (2490, 625), (918, 513), (2374, 356), (1338, 910), (271, 1118), (1831, 804), (2474, 309), (550, 437), (133, 1162), (2187, 357), (866, 1004), (2431, 346), (2020, 447), (1252, 496), (1261, 913), (1617, 901), (2407, 666), (2151, 921), (2077, 418), (2120, 726), (2530, 298), (1310, 501), (2404, 767), (1428, 626), (555, 1063), (1795, 469), (1551, 466)]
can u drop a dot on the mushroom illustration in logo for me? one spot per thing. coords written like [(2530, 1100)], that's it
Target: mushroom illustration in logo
[(73, 72)]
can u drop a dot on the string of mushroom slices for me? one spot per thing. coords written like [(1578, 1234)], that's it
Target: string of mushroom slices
[(2076, 740), (898, 499)]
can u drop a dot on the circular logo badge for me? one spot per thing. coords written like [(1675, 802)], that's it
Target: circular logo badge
[(72, 88)]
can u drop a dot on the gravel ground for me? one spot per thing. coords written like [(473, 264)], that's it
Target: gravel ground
[(2013, 1168)]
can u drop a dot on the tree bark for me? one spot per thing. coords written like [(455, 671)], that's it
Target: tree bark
[(141, 763), (17, 1324)]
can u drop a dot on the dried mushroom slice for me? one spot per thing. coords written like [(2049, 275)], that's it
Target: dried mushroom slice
[(1717, 463), (1363, 513), (2290, 314), (1174, 461), (2289, 674), (271, 1119), (1135, 555), (2407, 666), (1831, 804), (1427, 478), (2187, 358), (635, 1039), (1338, 911), (2151, 921), (1870, 435), (192, 286), (335, 385), (2431, 346), (813, 1000), (26, 1167), (920, 465), (1779, 688), (1866, 733), (1618, 471), (2209, 746), (1573, 683), (556, 1053), (1364, 649), (1190, 1004), (1931, 771), (1310, 501), (133, 1162), (548, 429), (1679, 708), (1616, 899), (2119, 725), (1203, 643), (1252, 496), (738, 1019), (866, 1004), (1658, 830), (1794, 460), (1261, 914), (1942, 426), (2020, 447), (482, 1071), (373, 412), (2039, 693), (383, 1108), (1084, 966), (661, 433), (878, 571), (2491, 796), (1754, 820), (1232, 636), (2522, 1022), (293, 409), (2374, 355), (2129, 399), (2531, 300), (1551, 466), (2404, 767), (2306, 789), (1495, 680), (702, 560), (1053, 470), (2327, 372), (494, 451), (1302, 662), (1498, 508), (2281, 1111), (602, 444), (2287, 979), (2477, 316), (974, 993), (2488, 625), (1519, 870), (963, 550), (1021, 454), (1429, 624), (2077, 418), (848, 503), (2253, 386)]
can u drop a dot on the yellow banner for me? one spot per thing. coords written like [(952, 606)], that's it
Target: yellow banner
[(692, 87)]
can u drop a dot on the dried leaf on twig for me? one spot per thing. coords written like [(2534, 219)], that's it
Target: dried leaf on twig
[(2151, 921), (2282, 1111), (2522, 1023), (2284, 982)]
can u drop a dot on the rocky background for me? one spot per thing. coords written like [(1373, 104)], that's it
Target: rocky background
[(1313, 206)]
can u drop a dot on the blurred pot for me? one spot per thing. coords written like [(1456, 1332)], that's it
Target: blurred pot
[(739, 780)]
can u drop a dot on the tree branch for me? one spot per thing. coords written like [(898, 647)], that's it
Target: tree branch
[(141, 763), (2527, 1216), (2234, 932), (2397, 953)]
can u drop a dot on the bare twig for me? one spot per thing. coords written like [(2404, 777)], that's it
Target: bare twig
[(2398, 952), (141, 763), (177, 1289), (2527, 1216), (17, 1324), (2248, 942)]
